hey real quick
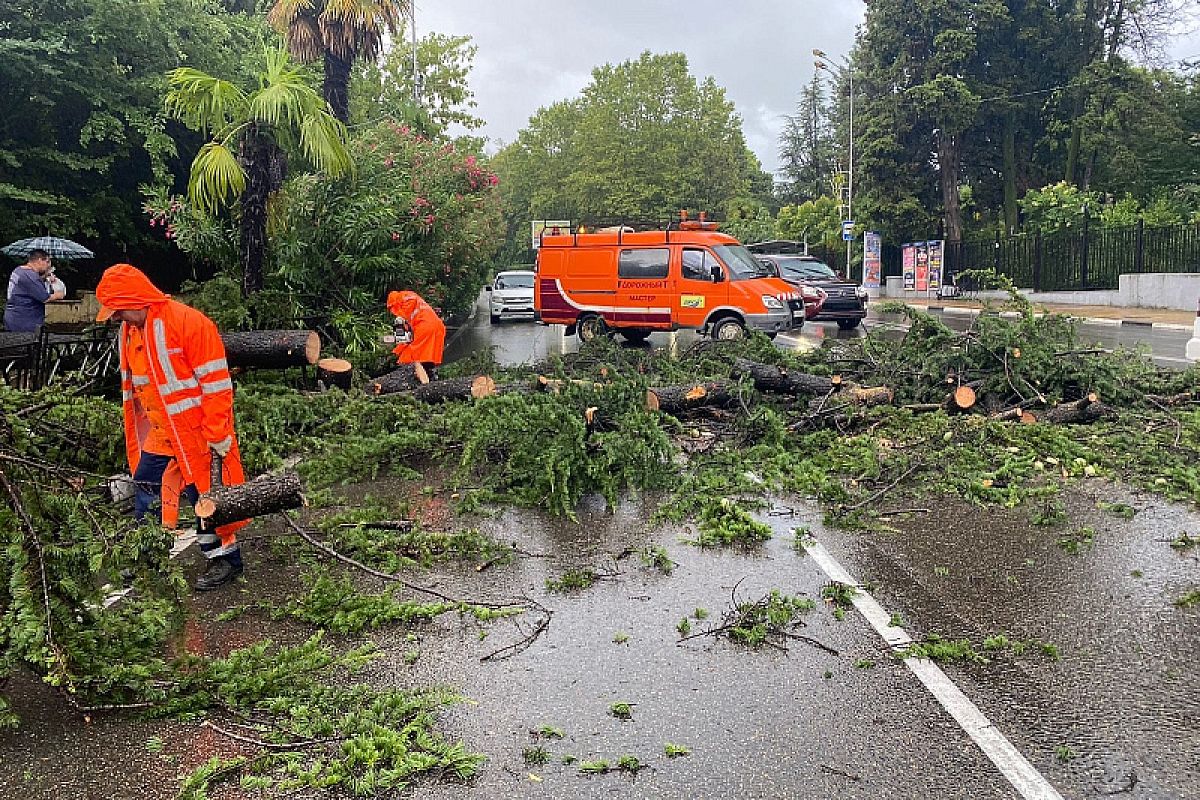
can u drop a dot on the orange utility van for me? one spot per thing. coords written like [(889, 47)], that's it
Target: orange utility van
[(664, 280)]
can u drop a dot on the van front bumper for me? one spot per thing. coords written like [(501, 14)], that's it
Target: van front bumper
[(775, 321)]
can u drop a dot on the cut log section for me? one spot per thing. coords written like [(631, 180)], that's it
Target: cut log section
[(271, 349), (961, 399), (677, 399), (1085, 410), (405, 378), (455, 389), (770, 378), (335, 373), (1017, 414), (266, 494)]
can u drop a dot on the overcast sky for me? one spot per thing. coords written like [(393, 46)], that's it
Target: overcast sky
[(532, 54)]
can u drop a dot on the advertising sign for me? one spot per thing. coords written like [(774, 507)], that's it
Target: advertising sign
[(552, 227), (922, 267), (872, 259), (908, 261), (936, 251)]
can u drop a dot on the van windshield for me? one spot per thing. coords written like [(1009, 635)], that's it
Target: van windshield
[(742, 265)]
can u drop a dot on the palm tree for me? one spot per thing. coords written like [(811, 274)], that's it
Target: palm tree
[(251, 132), (340, 32)]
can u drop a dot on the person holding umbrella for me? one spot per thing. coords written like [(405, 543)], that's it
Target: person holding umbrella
[(28, 293)]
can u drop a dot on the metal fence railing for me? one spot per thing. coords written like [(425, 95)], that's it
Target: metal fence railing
[(1077, 258)]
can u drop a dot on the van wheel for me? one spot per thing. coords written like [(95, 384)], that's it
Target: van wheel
[(848, 324), (592, 327), (635, 334), (495, 319), (729, 329)]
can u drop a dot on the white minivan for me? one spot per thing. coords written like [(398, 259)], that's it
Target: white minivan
[(512, 295)]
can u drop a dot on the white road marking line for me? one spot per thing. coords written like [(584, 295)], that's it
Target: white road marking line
[(1024, 777)]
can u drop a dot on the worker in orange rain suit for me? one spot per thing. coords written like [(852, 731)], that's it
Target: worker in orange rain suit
[(178, 403), (428, 330)]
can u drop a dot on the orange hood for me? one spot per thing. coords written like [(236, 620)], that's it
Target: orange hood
[(404, 304), (124, 287)]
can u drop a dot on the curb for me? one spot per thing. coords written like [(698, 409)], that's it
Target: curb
[(1133, 323)]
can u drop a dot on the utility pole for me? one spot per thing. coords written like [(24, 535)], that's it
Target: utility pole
[(416, 75), (844, 71)]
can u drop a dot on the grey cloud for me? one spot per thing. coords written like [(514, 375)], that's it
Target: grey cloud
[(532, 54)]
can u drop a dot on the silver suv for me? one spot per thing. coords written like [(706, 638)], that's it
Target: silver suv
[(511, 295)]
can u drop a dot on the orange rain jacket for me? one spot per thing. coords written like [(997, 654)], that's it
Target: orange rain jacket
[(187, 366), (429, 332)]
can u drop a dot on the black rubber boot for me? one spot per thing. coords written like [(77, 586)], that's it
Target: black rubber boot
[(219, 573)]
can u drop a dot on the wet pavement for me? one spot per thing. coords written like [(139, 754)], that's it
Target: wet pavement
[(520, 341), (1118, 715)]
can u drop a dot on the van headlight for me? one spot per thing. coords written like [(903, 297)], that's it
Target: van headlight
[(772, 303), (861, 292)]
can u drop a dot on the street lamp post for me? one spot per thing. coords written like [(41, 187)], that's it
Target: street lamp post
[(845, 70)]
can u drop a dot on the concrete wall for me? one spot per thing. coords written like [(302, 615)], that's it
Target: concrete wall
[(73, 311), (1161, 290), (1179, 291)]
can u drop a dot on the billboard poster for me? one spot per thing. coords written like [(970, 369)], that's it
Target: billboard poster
[(922, 267), (552, 227), (908, 260), (936, 254), (872, 263)]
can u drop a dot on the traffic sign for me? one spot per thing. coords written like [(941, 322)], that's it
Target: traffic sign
[(847, 230)]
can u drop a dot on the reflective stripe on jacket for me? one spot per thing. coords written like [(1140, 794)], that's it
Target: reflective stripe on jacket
[(187, 366)]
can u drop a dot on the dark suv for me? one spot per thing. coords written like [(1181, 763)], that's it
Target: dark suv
[(846, 303)]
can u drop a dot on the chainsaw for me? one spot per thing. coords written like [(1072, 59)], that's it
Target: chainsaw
[(402, 332)]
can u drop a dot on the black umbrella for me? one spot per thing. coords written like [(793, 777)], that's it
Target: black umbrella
[(56, 248)]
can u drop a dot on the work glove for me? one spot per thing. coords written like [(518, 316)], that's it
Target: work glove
[(221, 448)]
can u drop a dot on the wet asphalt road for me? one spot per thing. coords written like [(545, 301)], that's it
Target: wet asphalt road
[(1117, 716), (522, 341)]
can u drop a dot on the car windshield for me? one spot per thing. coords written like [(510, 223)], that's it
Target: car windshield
[(742, 266), (514, 281), (804, 268)]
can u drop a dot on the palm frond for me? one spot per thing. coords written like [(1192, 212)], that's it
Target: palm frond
[(323, 139), (216, 177), (202, 101), (354, 28)]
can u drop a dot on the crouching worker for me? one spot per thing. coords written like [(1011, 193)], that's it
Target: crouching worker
[(178, 403), (426, 333)]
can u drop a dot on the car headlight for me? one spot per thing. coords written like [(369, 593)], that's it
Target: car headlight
[(861, 292), (772, 303)]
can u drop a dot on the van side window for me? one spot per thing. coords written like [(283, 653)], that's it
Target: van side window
[(643, 263), (696, 265)]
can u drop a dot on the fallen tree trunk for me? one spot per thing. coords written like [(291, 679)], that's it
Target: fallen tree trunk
[(472, 388), (1016, 414), (402, 379), (962, 398), (266, 494), (770, 378), (271, 349), (556, 385), (677, 399), (1087, 409), (853, 395), (335, 373), (1170, 400)]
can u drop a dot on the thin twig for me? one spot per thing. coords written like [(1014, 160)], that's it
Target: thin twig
[(884, 490), (250, 740)]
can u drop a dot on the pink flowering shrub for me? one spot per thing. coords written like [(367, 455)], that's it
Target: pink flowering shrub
[(414, 214)]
